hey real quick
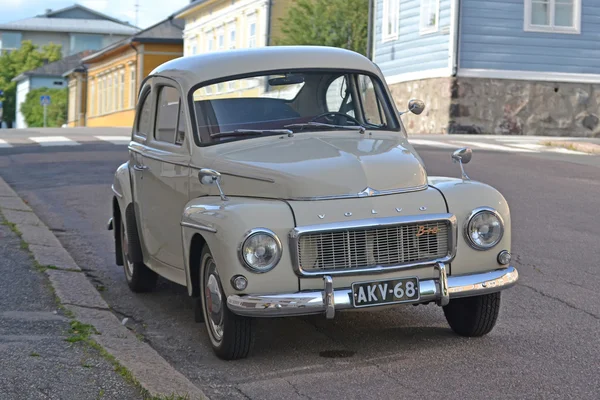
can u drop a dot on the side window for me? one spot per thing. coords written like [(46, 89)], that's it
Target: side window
[(170, 121), (370, 101), (145, 113)]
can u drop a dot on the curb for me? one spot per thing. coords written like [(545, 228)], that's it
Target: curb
[(77, 294), (584, 147)]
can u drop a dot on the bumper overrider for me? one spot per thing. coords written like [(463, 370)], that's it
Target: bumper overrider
[(328, 300)]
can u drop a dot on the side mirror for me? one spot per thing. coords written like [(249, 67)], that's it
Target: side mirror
[(416, 106), (209, 177), (463, 155)]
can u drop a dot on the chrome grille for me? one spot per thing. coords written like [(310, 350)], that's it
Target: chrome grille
[(355, 248)]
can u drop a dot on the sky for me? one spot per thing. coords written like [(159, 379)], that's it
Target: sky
[(150, 11)]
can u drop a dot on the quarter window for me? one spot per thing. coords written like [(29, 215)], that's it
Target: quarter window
[(430, 15), (144, 118), (562, 16), (167, 128), (391, 17)]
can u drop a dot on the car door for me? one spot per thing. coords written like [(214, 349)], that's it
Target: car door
[(165, 188)]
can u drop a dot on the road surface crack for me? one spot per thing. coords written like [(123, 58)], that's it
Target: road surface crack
[(88, 307), (298, 390), (561, 301)]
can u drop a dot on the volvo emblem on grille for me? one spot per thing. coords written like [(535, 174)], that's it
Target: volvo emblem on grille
[(423, 230)]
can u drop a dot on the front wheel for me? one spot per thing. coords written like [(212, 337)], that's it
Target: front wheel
[(231, 335), (473, 316)]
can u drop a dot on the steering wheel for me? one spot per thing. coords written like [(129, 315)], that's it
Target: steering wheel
[(330, 118)]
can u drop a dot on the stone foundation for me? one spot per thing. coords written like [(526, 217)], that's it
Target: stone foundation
[(436, 93), (501, 107)]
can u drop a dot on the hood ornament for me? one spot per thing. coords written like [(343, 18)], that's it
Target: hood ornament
[(367, 192)]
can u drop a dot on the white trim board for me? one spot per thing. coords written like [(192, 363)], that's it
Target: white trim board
[(528, 75), (415, 76)]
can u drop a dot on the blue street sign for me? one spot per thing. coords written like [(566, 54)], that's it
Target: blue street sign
[(45, 100)]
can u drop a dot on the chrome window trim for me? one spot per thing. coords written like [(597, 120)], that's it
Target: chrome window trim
[(375, 193), (246, 236), (296, 233), (466, 228)]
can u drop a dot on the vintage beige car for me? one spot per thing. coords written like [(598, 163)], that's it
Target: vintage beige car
[(280, 182)]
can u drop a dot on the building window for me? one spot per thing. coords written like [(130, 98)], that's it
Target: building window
[(92, 98), (10, 40), (81, 42), (221, 37), (430, 15), (115, 92), (252, 34), (122, 90), (391, 18), (232, 38), (104, 96), (561, 16), (132, 87)]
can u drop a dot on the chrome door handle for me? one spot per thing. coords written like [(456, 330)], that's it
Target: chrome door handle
[(139, 167)]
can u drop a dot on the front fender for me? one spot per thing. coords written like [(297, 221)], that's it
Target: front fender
[(223, 225), (462, 198)]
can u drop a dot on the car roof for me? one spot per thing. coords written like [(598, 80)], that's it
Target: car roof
[(191, 70)]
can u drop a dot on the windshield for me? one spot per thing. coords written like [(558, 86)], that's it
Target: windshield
[(291, 101)]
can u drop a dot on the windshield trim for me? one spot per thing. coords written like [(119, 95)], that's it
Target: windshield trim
[(192, 110)]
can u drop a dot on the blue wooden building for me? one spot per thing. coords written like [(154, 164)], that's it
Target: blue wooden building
[(524, 67)]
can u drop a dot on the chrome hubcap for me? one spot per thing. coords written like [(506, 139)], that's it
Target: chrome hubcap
[(125, 247), (213, 300)]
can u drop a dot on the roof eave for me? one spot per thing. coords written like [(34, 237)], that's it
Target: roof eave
[(158, 40), (92, 57), (189, 9)]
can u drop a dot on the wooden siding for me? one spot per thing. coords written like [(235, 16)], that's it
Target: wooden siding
[(412, 52), (492, 37)]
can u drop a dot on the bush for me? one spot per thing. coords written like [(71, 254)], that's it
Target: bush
[(33, 111)]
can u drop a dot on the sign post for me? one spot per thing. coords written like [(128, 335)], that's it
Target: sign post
[(45, 102)]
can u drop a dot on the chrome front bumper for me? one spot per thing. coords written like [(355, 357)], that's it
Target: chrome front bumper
[(328, 301)]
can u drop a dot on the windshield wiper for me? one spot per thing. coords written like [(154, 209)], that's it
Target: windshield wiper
[(250, 132), (360, 128)]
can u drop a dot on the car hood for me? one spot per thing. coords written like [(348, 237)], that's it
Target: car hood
[(317, 165)]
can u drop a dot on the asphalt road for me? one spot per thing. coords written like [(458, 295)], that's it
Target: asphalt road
[(546, 344)]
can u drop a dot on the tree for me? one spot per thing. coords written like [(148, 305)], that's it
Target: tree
[(14, 63), (56, 112), (338, 23)]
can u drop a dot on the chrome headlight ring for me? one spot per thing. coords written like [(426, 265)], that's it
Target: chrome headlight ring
[(272, 246), (477, 212)]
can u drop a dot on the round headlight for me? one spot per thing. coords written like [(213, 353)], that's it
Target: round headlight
[(484, 229), (260, 251)]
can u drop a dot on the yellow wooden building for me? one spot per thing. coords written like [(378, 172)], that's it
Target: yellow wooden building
[(104, 91), (213, 25)]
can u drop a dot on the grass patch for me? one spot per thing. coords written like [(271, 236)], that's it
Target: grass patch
[(80, 332), (101, 288), (33, 354)]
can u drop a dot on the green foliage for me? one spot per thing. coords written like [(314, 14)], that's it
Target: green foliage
[(14, 63), (33, 111), (337, 23)]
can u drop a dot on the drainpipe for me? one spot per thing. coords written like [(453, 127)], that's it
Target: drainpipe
[(269, 22), (370, 32), (454, 36)]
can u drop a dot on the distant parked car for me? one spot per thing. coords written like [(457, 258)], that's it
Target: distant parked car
[(280, 181)]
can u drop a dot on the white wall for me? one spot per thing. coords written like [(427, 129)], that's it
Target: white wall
[(22, 90)]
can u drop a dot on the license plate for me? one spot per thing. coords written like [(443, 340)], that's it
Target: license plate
[(366, 294)]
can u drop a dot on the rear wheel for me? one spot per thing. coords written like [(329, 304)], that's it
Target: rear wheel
[(231, 335), (473, 316), (139, 277)]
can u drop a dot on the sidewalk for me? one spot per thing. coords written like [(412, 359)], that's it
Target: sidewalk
[(42, 355)]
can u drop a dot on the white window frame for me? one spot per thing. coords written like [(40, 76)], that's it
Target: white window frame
[(575, 29), (132, 87), (115, 92), (388, 36), (210, 42), (122, 89), (426, 29), (232, 31), (252, 38), (221, 39)]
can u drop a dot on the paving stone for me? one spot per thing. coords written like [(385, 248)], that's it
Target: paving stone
[(56, 256), (13, 203), (39, 235), (74, 288), (21, 217)]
